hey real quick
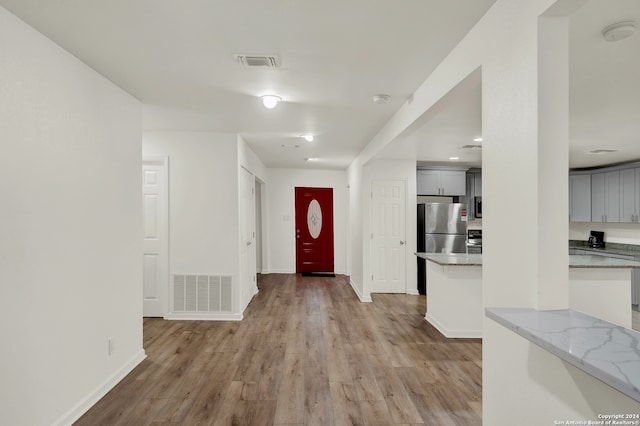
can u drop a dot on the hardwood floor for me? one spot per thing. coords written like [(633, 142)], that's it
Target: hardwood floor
[(307, 353)]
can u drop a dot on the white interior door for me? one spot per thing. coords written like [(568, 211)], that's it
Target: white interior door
[(247, 237), (388, 242), (155, 255)]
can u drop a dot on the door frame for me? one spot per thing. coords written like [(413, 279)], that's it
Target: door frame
[(168, 300), (294, 243), (406, 218), (250, 288)]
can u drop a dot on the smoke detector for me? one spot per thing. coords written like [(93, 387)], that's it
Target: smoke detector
[(381, 98), (619, 31), (257, 61)]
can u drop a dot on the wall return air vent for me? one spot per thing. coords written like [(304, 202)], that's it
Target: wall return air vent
[(257, 61)]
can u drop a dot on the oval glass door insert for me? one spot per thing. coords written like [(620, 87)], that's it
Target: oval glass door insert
[(314, 219)]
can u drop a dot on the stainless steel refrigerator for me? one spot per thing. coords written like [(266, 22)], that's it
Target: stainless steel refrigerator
[(442, 228)]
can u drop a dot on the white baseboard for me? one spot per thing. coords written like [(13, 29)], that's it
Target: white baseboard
[(281, 271), (355, 289), (89, 401), (453, 334), (413, 292), (193, 316)]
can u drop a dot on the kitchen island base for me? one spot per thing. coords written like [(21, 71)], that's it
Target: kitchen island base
[(454, 300)]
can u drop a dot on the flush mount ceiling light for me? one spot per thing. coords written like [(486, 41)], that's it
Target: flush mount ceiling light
[(454, 158), (270, 101), (308, 137), (619, 31), (478, 139), (381, 99), (311, 159)]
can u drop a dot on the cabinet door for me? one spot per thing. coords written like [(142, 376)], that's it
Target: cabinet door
[(478, 184), (471, 205), (612, 197), (453, 182), (628, 195), (597, 197), (637, 197), (580, 198), (428, 182)]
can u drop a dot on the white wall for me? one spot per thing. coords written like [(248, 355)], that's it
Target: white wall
[(624, 233), (203, 201), (250, 161), (70, 232), (390, 169), (281, 214), (354, 175)]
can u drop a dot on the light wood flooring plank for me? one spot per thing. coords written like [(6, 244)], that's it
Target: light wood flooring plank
[(308, 352)]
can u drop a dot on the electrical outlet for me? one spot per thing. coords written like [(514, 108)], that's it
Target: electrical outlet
[(112, 345)]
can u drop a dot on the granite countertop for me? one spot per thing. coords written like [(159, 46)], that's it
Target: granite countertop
[(457, 259), (613, 248), (604, 350), (575, 261)]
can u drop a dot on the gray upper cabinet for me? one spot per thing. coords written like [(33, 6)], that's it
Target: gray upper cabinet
[(629, 195), (605, 197), (477, 184), (580, 198), (608, 194), (441, 182)]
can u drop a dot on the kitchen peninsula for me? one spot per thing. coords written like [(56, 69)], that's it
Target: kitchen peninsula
[(598, 286)]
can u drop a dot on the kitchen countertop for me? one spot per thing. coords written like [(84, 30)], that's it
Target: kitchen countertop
[(458, 259), (613, 248), (575, 261), (604, 350)]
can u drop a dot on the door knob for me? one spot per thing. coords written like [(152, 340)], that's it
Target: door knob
[(401, 243)]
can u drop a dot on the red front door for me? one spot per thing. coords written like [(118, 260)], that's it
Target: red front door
[(314, 230)]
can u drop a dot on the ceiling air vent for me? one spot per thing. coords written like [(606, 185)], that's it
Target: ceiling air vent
[(471, 146), (257, 61)]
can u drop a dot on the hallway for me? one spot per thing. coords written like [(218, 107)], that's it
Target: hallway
[(307, 353)]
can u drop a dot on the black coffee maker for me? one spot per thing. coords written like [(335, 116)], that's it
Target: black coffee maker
[(596, 240)]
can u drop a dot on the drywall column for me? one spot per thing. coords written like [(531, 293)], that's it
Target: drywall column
[(514, 163), (553, 162)]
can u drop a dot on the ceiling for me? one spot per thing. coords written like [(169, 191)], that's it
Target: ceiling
[(604, 100), (176, 58)]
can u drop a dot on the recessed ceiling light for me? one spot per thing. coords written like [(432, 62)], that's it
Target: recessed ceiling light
[(308, 137), (310, 159), (454, 158), (599, 151), (270, 101), (381, 98), (619, 31), (477, 139)]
